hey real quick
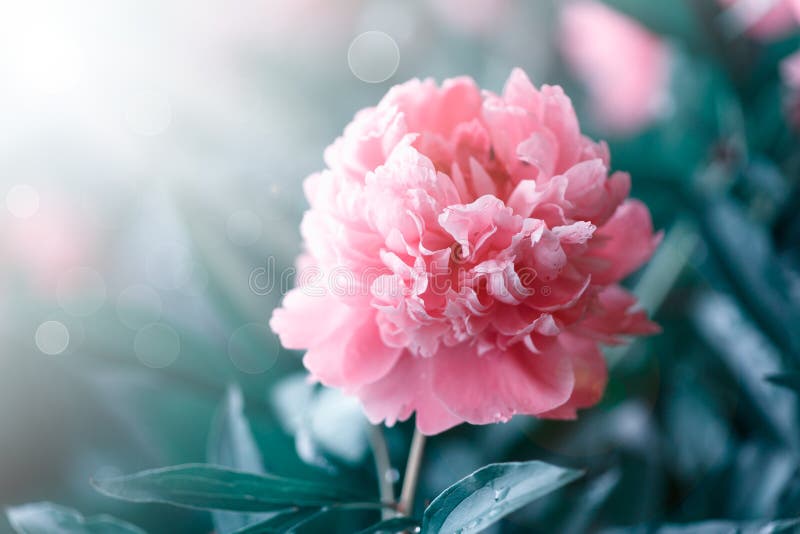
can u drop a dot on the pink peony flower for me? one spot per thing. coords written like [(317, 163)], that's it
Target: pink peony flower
[(764, 19), (625, 67), (462, 257)]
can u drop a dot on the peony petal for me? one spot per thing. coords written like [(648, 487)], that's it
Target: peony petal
[(624, 243), (366, 357), (616, 314), (520, 92), (591, 375), (496, 386), (560, 119), (403, 391), (576, 233), (539, 150), (309, 316), (459, 102), (508, 126)]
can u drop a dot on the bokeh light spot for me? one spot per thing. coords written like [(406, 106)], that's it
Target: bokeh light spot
[(373, 56), (253, 348), (52, 337), (22, 201), (157, 345)]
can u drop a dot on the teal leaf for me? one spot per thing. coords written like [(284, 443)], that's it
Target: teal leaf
[(46, 518), (282, 522), (591, 501), (750, 356), (301, 519), (231, 444), (713, 527), (393, 525), (217, 488), (324, 422), (754, 271), (787, 380), (492, 492)]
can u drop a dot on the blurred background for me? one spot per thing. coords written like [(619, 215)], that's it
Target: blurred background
[(151, 161)]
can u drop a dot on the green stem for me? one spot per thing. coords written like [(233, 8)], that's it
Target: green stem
[(406, 504), (383, 467)]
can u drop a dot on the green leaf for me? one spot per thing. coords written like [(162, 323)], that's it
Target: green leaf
[(754, 271), (231, 444), (592, 499), (46, 518), (293, 520), (492, 492), (216, 488), (283, 522), (749, 355), (327, 424), (713, 527), (395, 524), (788, 380)]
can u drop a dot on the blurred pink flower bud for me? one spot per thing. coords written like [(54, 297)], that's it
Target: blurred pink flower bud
[(470, 16), (790, 72), (764, 19), (625, 67)]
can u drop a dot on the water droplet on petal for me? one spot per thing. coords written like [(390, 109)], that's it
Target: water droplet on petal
[(473, 525), (500, 494), (501, 418)]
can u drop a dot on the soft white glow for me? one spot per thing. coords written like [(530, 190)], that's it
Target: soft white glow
[(147, 113), (244, 227), (81, 291), (42, 57), (22, 201)]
